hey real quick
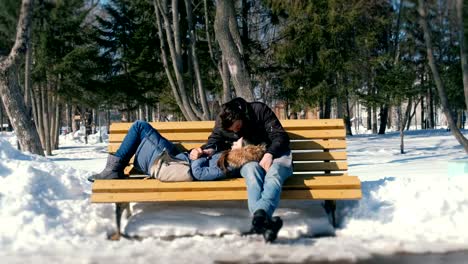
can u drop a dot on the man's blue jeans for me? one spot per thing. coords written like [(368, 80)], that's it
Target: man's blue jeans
[(137, 132), (264, 189)]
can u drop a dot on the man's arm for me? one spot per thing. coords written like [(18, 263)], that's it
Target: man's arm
[(276, 133)]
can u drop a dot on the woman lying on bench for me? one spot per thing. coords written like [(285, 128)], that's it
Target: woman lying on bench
[(148, 146)]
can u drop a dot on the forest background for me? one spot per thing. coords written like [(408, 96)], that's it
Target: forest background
[(63, 61)]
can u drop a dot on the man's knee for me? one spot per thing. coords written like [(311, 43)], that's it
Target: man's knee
[(250, 167), (251, 171), (279, 173)]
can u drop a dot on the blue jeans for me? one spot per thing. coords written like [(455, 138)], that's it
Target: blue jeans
[(264, 189), (136, 135)]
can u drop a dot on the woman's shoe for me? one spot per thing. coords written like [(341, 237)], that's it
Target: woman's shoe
[(114, 169)]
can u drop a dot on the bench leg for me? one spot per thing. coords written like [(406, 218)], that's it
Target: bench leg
[(330, 209), (119, 208)]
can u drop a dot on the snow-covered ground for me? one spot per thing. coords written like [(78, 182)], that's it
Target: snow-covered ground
[(411, 203)]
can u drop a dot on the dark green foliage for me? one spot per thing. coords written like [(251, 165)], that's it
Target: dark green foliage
[(127, 39), (64, 56), (9, 12), (305, 52), (326, 43)]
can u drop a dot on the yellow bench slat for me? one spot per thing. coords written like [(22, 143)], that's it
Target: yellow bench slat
[(318, 144), (345, 194), (321, 166), (150, 185), (203, 136), (313, 124), (316, 156), (295, 145)]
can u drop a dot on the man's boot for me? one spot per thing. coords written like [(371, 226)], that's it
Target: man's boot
[(259, 222), (271, 231), (114, 170)]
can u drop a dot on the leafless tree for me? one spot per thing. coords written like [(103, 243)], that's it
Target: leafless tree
[(422, 9), (10, 90), (227, 34)]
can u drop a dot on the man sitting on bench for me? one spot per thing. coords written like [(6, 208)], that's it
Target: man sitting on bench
[(258, 124)]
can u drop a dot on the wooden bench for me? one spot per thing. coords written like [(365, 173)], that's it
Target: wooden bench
[(319, 160)]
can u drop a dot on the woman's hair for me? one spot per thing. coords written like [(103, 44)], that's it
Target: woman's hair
[(235, 158)]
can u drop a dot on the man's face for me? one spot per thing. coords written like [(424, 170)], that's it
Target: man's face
[(236, 126)]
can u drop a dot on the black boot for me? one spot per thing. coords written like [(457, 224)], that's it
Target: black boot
[(271, 231), (114, 170), (259, 222)]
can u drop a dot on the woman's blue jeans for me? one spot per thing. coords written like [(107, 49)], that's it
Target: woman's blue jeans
[(137, 132), (264, 189)]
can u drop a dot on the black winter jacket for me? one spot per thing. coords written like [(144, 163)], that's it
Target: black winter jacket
[(261, 126)]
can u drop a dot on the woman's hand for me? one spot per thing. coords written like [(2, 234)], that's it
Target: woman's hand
[(266, 161), (198, 152)]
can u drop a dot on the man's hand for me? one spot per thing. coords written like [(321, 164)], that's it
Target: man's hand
[(198, 152), (266, 161)]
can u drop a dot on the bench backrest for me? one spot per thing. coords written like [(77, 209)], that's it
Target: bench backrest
[(318, 146)]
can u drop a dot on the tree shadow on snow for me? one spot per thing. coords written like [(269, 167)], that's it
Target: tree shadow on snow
[(4, 171)]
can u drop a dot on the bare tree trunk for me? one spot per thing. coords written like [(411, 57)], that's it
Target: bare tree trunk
[(440, 87), (327, 107), (140, 112), (147, 113), (1, 117), (108, 119), (206, 115), (369, 118), (374, 120), (56, 126), (403, 124), (411, 116), (383, 119), (9, 87), (463, 53), (68, 117), (430, 105), (390, 117), (220, 63), (45, 114), (73, 114), (37, 112), (27, 75), (348, 115), (52, 113), (227, 34), (174, 44), (155, 113), (225, 77)]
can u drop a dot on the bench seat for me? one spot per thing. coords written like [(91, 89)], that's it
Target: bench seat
[(152, 190)]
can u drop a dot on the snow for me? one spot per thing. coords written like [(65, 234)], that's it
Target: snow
[(411, 203)]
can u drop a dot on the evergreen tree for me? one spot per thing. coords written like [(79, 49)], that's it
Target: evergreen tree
[(8, 20), (127, 39)]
